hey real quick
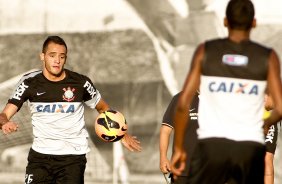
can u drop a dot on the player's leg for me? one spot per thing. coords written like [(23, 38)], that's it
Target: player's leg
[(69, 169), (210, 162), (38, 169), (248, 162)]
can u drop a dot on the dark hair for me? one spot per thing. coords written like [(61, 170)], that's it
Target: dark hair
[(240, 14), (53, 39)]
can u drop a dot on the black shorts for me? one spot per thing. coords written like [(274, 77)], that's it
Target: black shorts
[(55, 169), (179, 180), (220, 161), (271, 139)]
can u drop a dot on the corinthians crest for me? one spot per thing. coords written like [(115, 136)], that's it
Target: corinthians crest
[(68, 95)]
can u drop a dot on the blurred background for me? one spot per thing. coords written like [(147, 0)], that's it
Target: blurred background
[(137, 53)]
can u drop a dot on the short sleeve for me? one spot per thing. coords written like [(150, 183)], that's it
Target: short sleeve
[(91, 95), (168, 117), (20, 94)]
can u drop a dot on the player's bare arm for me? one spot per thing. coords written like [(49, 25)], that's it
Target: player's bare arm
[(181, 116), (102, 106), (8, 126), (275, 89), (131, 143), (164, 142)]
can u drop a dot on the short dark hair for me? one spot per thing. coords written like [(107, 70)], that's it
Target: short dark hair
[(53, 39), (240, 14)]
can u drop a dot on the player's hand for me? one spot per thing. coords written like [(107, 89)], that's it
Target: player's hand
[(165, 165), (131, 143), (9, 127), (178, 162)]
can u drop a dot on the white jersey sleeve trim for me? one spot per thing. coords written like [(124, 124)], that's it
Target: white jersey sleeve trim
[(94, 101), (166, 124)]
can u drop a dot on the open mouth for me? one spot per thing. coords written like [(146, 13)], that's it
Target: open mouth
[(56, 67)]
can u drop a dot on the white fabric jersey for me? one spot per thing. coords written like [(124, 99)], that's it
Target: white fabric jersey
[(233, 84), (57, 110), (231, 108)]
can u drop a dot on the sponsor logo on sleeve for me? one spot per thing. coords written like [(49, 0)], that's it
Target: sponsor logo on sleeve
[(270, 134), (90, 89), (19, 91)]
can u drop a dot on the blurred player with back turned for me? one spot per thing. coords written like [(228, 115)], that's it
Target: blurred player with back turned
[(232, 74)]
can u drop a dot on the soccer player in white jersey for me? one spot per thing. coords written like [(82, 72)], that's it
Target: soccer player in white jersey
[(56, 99), (232, 74)]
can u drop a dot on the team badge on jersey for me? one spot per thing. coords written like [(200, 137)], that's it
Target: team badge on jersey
[(69, 94), (235, 60)]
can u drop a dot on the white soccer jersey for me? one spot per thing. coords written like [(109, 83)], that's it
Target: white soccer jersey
[(231, 108), (57, 110), (233, 84)]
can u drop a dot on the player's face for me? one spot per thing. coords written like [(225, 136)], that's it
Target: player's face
[(53, 61)]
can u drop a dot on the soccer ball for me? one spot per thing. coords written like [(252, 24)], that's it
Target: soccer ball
[(110, 126)]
